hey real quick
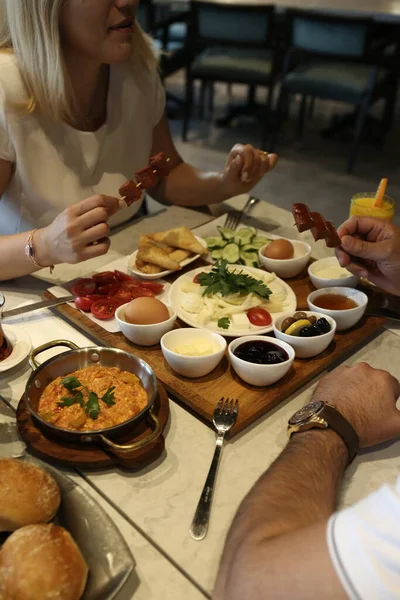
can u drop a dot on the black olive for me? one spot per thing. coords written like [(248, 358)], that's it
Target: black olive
[(323, 325), (311, 331)]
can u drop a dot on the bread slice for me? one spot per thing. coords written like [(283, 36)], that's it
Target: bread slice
[(181, 237)]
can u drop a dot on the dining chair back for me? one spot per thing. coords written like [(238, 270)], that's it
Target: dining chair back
[(230, 43), (333, 57)]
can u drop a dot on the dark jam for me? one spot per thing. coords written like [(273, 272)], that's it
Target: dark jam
[(261, 353)]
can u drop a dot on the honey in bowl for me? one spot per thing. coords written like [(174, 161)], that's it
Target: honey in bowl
[(334, 302)]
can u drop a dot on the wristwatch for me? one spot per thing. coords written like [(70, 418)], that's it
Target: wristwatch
[(320, 415)]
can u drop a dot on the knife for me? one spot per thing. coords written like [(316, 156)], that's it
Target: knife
[(35, 306)]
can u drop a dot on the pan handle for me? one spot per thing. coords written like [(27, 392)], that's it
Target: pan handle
[(36, 351), (155, 425)]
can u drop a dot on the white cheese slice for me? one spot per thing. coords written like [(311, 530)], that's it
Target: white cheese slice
[(240, 321)]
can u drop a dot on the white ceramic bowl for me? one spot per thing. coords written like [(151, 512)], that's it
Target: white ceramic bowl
[(344, 318), (350, 280), (288, 267), (144, 335), (260, 375), (192, 366), (306, 347)]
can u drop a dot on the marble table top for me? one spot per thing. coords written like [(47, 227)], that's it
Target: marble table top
[(156, 505)]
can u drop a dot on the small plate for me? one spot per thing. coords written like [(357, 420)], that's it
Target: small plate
[(107, 554), (21, 346), (175, 299), (131, 260)]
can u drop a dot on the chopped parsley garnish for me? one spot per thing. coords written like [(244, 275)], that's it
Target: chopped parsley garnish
[(92, 405), (220, 279), (224, 322)]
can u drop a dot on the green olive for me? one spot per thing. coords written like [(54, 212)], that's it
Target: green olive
[(299, 315), (287, 323)]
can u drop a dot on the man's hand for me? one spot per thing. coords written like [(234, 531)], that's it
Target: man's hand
[(78, 233), (371, 248), (367, 398), (245, 167)]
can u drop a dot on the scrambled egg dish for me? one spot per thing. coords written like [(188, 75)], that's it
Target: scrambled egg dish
[(82, 408)]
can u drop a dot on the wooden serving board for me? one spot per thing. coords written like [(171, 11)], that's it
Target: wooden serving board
[(94, 456), (201, 395)]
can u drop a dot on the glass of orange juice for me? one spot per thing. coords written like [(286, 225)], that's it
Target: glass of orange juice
[(363, 205)]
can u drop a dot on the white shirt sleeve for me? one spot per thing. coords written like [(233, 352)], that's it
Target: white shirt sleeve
[(364, 544)]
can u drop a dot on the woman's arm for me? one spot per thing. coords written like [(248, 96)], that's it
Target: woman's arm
[(78, 233), (188, 186)]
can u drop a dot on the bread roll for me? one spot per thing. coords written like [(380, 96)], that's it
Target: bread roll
[(28, 495), (41, 562)]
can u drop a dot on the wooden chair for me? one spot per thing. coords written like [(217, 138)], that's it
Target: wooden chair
[(333, 57), (230, 43)]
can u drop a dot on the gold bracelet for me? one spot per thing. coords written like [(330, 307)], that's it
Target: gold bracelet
[(30, 252)]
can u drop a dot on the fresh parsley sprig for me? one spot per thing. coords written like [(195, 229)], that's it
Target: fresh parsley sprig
[(220, 279), (92, 405), (224, 322)]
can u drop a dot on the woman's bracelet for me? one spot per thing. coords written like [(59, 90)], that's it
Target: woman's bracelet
[(30, 252)]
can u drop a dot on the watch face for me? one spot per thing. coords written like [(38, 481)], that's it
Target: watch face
[(304, 414)]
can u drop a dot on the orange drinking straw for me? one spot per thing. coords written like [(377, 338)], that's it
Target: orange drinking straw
[(380, 192)]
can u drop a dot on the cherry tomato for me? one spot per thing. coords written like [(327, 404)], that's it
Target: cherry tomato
[(140, 291), (103, 309), (121, 296), (130, 285), (84, 287), (259, 316), (105, 277), (120, 276), (108, 288), (94, 297), (83, 303), (196, 278), (155, 287)]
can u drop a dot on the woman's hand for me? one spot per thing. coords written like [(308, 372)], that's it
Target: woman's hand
[(78, 233), (244, 168), (371, 248)]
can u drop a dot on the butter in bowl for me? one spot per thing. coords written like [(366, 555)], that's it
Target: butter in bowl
[(327, 272), (193, 352)]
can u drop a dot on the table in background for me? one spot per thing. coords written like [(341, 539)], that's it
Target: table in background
[(160, 499)]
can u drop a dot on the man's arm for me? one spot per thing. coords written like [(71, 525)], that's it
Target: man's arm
[(277, 547), (277, 544)]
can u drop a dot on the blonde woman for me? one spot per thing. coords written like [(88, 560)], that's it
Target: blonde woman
[(81, 109)]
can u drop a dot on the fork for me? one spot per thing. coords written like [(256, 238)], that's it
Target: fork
[(225, 415), (234, 217)]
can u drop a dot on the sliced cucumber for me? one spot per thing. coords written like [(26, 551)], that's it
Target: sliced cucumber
[(251, 262), (216, 254), (243, 236), (230, 253), (249, 248), (259, 241), (227, 234), (215, 242)]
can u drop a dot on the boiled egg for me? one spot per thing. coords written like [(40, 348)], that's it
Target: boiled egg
[(145, 311), (279, 250)]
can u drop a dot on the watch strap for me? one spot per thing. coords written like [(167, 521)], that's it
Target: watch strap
[(342, 427)]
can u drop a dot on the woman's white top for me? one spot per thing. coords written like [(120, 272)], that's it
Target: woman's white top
[(57, 165), (364, 544)]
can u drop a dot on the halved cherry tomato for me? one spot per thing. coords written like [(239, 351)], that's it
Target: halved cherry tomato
[(121, 296), (140, 291), (259, 316), (107, 288), (105, 277), (196, 278), (103, 309), (120, 276), (83, 303), (84, 287), (130, 285), (155, 287)]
